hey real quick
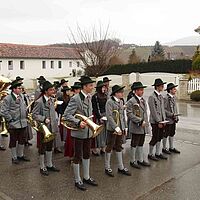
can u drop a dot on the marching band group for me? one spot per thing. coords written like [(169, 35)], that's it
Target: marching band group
[(115, 121)]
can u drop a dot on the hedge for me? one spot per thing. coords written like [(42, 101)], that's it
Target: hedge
[(168, 66), (195, 96)]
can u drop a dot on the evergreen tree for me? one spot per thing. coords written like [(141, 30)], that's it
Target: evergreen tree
[(158, 52)]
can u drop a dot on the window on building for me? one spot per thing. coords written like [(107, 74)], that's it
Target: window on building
[(78, 64), (22, 64), (43, 64), (0, 64), (70, 64), (59, 64), (52, 64), (10, 65)]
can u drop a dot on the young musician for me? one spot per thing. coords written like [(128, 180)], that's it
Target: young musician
[(138, 123), (157, 117), (44, 112), (172, 117), (81, 104), (13, 109), (116, 127)]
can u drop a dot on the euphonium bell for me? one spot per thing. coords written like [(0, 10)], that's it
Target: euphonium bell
[(4, 128), (48, 136), (96, 129)]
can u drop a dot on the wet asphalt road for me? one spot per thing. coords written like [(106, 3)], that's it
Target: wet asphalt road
[(174, 179)]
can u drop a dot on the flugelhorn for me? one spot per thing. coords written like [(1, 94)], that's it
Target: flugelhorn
[(96, 129), (117, 120)]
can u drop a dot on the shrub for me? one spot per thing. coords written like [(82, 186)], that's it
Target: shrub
[(195, 96)]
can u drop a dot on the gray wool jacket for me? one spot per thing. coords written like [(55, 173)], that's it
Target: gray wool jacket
[(157, 109), (111, 106), (14, 111), (137, 113), (78, 104), (43, 109)]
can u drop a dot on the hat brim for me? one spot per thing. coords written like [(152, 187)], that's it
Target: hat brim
[(163, 83), (15, 85), (135, 88), (121, 88), (169, 88), (107, 80), (87, 82)]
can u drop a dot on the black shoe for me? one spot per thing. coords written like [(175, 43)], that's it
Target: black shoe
[(53, 169), (174, 150), (90, 181), (23, 158), (44, 172), (57, 151), (144, 163), (124, 172), (80, 186), (152, 157), (161, 156), (102, 152), (166, 151), (4, 135), (2, 148), (15, 161), (109, 172), (135, 165)]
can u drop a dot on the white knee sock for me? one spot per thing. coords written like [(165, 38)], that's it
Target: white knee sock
[(158, 148), (133, 154), (107, 160), (171, 142), (14, 152), (49, 158), (140, 151), (42, 165), (86, 168), (151, 149), (120, 160), (20, 150), (164, 141), (76, 168)]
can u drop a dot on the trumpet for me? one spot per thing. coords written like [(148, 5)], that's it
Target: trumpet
[(96, 129)]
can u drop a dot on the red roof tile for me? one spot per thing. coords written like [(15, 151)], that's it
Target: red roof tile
[(36, 51)]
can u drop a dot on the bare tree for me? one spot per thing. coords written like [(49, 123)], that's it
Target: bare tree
[(94, 48)]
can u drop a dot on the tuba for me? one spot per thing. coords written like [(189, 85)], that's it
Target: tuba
[(96, 129), (4, 83)]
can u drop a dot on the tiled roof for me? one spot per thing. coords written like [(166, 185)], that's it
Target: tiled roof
[(36, 51)]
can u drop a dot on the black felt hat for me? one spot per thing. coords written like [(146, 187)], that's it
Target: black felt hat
[(117, 88), (158, 82), (77, 85), (41, 78), (46, 85), (18, 78), (86, 80), (65, 88), (15, 84), (100, 84), (137, 85), (63, 81), (171, 86), (106, 79)]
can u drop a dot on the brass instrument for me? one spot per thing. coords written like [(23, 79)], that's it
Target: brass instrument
[(4, 83), (96, 129), (136, 110), (117, 121)]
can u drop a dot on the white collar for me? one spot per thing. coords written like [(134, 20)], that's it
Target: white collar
[(16, 96), (170, 95), (138, 97), (158, 93), (116, 99), (84, 94), (46, 98)]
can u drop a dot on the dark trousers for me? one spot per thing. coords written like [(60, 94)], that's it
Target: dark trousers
[(17, 135), (170, 130), (81, 149), (42, 147), (137, 140), (157, 134), (114, 142)]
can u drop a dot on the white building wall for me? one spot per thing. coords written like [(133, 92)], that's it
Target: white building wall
[(33, 69)]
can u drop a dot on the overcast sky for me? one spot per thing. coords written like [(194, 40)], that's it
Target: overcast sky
[(133, 21)]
